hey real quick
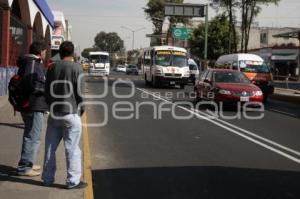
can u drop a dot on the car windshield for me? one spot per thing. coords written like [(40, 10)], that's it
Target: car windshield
[(254, 67), (230, 77), (99, 58), (169, 58)]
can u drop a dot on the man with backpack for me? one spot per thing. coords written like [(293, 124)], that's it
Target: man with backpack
[(31, 75)]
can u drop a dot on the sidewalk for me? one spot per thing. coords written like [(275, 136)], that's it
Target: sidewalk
[(287, 95), (15, 187)]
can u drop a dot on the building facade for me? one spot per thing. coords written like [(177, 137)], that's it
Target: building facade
[(21, 23)]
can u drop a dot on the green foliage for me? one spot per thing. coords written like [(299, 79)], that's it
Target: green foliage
[(248, 10), (219, 42), (110, 42), (85, 52), (155, 12), (132, 56)]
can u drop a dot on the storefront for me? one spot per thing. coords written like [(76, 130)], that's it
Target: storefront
[(1, 18), (21, 23)]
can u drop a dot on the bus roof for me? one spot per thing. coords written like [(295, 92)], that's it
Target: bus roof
[(167, 48), (98, 53), (239, 56)]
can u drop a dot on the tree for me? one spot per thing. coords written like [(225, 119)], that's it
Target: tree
[(85, 52), (249, 10), (218, 40), (155, 11), (110, 42), (229, 6)]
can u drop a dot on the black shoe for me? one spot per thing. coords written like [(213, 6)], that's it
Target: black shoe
[(80, 185)]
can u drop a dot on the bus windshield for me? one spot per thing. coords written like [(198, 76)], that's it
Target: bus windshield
[(99, 58), (259, 67), (171, 58)]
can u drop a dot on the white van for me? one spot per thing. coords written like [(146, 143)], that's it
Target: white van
[(253, 66), (99, 63)]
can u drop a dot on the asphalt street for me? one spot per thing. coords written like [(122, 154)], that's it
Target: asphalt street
[(154, 154)]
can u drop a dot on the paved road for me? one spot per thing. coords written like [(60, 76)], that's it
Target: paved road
[(200, 157)]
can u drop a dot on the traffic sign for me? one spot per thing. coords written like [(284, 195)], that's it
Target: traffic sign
[(182, 33), (184, 9)]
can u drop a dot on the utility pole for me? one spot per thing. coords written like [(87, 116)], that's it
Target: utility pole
[(133, 32), (206, 33)]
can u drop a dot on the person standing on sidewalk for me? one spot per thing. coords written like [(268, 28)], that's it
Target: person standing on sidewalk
[(64, 121), (32, 71)]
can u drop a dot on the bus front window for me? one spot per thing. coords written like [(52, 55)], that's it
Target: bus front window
[(171, 58), (163, 59), (99, 59), (179, 61)]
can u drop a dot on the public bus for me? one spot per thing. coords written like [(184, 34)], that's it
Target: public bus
[(165, 65), (253, 66), (99, 63)]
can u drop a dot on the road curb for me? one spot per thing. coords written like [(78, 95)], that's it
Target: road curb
[(87, 163), (286, 98)]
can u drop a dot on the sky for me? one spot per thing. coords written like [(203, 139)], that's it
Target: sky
[(89, 17)]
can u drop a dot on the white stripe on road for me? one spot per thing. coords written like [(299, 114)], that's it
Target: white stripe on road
[(218, 122)]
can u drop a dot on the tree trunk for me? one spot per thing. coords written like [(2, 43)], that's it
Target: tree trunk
[(250, 20), (232, 27)]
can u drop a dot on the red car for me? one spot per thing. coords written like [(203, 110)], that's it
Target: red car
[(228, 86)]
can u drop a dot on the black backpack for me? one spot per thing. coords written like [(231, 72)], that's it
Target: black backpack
[(17, 95)]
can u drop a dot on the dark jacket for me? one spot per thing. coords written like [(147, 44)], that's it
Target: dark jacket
[(33, 82), (68, 72)]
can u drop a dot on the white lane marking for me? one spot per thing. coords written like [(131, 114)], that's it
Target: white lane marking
[(252, 134), (288, 156), (283, 112)]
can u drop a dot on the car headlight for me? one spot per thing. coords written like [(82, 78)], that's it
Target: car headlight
[(224, 92), (258, 93)]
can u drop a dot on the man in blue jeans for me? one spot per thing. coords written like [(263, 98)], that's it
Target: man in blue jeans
[(64, 122), (32, 71)]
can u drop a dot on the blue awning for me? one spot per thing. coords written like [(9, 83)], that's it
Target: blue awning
[(46, 10)]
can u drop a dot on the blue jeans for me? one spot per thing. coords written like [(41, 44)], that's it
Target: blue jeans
[(31, 139), (68, 128)]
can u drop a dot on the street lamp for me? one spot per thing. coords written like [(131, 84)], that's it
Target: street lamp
[(133, 31)]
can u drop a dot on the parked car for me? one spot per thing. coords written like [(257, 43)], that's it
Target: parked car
[(121, 68), (228, 86), (194, 71), (132, 69)]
